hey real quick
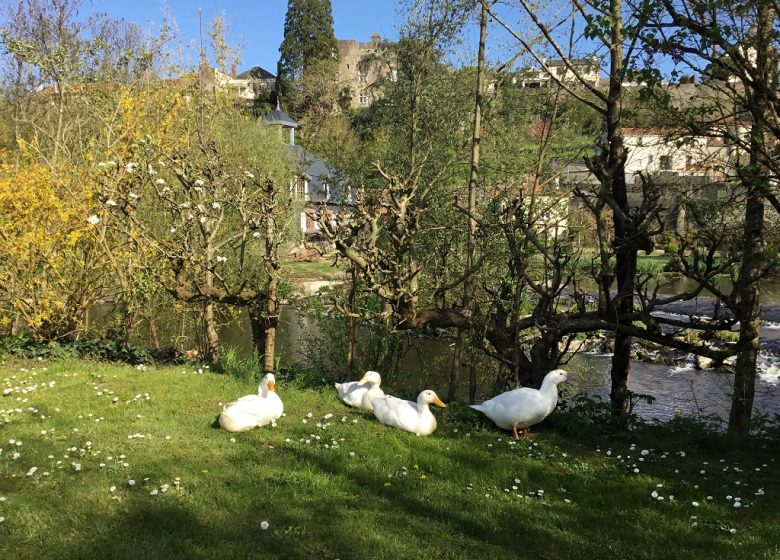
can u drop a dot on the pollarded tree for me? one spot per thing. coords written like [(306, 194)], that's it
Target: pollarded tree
[(409, 246), (211, 200)]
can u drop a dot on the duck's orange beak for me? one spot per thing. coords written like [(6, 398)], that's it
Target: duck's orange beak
[(438, 402), (271, 386)]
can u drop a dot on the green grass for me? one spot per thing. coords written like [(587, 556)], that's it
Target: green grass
[(344, 486), (320, 270)]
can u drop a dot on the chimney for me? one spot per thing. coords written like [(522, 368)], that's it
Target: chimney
[(375, 38), (233, 70)]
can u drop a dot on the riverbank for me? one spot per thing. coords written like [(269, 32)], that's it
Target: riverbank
[(330, 482)]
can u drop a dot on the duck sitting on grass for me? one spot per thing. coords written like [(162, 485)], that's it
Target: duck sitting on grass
[(524, 407), (410, 416), (358, 394), (251, 411)]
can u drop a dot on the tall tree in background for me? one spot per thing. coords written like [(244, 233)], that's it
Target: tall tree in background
[(309, 48)]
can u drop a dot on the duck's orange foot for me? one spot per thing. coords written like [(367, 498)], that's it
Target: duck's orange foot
[(517, 436)]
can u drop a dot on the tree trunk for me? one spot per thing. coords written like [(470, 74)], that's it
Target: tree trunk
[(456, 366), (210, 332), (625, 254), (472, 383), (476, 139), (750, 315), (270, 324), (757, 183), (256, 312), (352, 345)]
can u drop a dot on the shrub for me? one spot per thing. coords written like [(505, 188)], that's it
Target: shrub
[(241, 366)]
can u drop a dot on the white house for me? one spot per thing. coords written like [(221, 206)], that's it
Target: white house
[(657, 150)]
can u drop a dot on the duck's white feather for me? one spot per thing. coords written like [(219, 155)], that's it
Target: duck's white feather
[(410, 416), (524, 407), (251, 411), (358, 394)]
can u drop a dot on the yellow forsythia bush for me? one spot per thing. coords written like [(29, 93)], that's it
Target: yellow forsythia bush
[(49, 269)]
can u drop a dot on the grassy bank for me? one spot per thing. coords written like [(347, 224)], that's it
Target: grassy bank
[(332, 483), (318, 270)]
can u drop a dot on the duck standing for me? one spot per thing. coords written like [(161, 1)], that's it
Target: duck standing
[(524, 407)]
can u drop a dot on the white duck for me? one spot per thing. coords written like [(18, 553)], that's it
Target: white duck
[(524, 407), (360, 393), (413, 417), (251, 411)]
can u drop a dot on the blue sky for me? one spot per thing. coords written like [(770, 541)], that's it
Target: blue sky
[(258, 25)]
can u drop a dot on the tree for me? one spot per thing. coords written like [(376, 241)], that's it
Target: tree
[(56, 56), (733, 48), (210, 198), (411, 248), (471, 210), (308, 51)]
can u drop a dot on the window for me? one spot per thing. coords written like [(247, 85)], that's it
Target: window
[(299, 188), (363, 76), (665, 163), (363, 99), (393, 75)]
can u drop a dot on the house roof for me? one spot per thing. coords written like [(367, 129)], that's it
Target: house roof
[(256, 73), (319, 174), (573, 62), (277, 116), (648, 131)]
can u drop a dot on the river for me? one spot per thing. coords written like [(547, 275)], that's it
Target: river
[(676, 390)]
